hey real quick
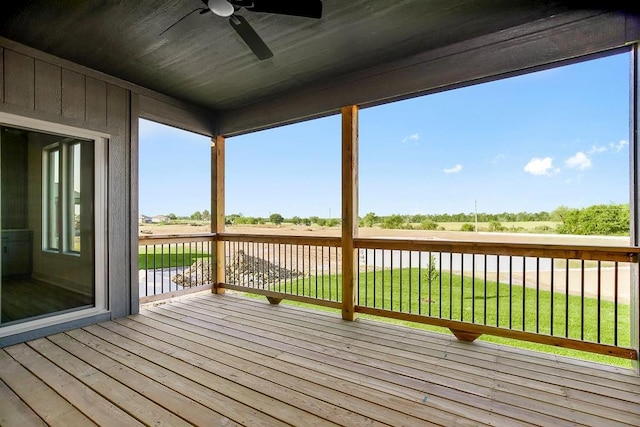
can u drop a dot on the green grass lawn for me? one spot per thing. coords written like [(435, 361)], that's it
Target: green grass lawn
[(490, 303), (166, 256)]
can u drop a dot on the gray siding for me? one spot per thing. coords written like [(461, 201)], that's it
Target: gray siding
[(37, 85), (45, 90)]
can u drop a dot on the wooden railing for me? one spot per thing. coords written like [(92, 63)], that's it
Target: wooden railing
[(568, 296), (172, 265), (306, 269), (562, 295)]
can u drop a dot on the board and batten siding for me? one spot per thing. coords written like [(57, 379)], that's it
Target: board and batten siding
[(45, 90)]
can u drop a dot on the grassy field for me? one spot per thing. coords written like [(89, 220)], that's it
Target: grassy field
[(493, 304), (166, 256)]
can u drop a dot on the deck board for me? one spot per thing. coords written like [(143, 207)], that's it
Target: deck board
[(227, 360)]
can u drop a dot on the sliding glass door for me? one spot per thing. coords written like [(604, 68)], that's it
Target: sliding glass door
[(47, 218)]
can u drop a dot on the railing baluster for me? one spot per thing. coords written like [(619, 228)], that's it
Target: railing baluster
[(566, 300), (473, 288), (485, 289), (553, 291), (524, 292), (440, 285), (615, 304), (510, 292), (498, 290), (461, 287), (582, 301), (599, 300), (420, 282), (450, 285)]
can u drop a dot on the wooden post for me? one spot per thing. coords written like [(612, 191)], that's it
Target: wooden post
[(634, 155), (349, 210), (217, 216)]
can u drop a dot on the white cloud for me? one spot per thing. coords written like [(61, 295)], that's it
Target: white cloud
[(619, 146), (538, 166), (596, 149), (457, 168), (579, 160), (412, 137), (497, 158)]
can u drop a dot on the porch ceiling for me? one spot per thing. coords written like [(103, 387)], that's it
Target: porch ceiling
[(202, 61)]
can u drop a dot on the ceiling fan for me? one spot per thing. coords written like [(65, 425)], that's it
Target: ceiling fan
[(229, 8)]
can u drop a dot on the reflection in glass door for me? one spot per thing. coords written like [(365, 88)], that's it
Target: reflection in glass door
[(47, 218)]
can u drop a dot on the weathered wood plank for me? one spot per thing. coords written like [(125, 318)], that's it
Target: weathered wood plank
[(464, 368), (402, 401), (73, 95), (350, 404), (88, 401), (249, 394), (13, 410), (19, 74), (48, 90), (96, 101), (361, 365), (156, 384), (237, 360), (44, 401)]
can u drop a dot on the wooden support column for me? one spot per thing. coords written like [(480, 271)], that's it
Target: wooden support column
[(349, 210), (217, 216), (634, 169)]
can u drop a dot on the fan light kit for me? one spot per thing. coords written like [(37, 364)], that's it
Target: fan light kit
[(229, 8), (220, 7)]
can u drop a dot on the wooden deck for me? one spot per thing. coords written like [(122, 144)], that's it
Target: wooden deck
[(222, 360)]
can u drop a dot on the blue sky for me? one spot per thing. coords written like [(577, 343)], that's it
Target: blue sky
[(528, 143)]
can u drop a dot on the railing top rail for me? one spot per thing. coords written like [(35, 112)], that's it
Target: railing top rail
[(174, 238), (583, 252), (280, 238)]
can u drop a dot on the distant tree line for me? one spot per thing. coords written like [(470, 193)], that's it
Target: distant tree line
[(610, 220)]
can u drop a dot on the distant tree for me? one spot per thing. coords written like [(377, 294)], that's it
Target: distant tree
[(314, 219), (206, 216), (305, 221), (559, 213), (296, 220), (467, 227), (393, 221), (172, 216), (429, 224), (321, 222), (276, 218), (597, 220), (495, 226), (369, 220), (197, 215), (332, 222)]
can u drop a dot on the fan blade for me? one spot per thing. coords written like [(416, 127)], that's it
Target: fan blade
[(304, 8), (250, 37)]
